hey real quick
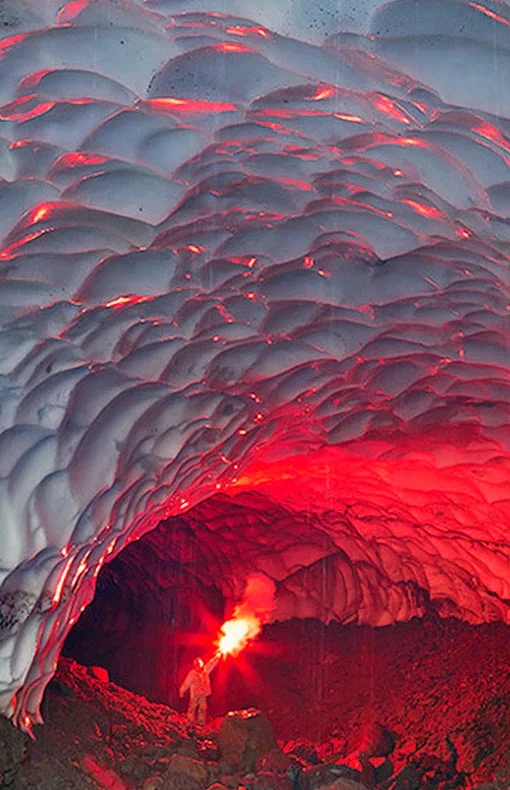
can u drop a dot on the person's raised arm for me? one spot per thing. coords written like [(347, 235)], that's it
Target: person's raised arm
[(212, 663)]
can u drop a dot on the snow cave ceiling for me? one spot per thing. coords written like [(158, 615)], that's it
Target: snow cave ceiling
[(254, 273)]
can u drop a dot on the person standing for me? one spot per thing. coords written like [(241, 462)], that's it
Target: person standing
[(198, 683)]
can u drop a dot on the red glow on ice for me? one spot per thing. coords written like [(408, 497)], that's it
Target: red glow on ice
[(60, 586), (424, 210), (12, 111), (80, 159), (71, 10), (25, 108), (41, 213), (227, 47), (490, 132), (128, 299), (244, 30), (173, 104), (343, 116), (388, 107), (296, 113), (31, 81), (324, 93), (9, 43), (295, 183), (410, 142), (490, 14), (222, 310), (464, 233), (16, 246)]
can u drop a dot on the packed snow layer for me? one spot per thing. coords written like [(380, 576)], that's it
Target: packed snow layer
[(253, 255)]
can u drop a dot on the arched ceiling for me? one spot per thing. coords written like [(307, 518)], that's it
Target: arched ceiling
[(258, 266)]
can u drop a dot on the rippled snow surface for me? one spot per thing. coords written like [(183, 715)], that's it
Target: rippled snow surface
[(253, 254)]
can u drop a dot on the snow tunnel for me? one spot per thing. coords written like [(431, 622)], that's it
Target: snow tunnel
[(254, 301)]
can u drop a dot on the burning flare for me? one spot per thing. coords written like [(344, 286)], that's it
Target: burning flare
[(237, 633), (255, 609)]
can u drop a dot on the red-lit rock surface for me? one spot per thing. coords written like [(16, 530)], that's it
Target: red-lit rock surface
[(331, 686)]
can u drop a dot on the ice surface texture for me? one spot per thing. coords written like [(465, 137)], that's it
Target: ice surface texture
[(264, 255)]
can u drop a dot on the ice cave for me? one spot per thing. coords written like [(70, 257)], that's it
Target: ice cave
[(255, 320)]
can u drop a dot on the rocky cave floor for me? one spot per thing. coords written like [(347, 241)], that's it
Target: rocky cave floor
[(420, 705)]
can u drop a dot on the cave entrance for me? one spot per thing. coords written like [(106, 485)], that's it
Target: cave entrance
[(161, 601), (432, 680), (155, 607)]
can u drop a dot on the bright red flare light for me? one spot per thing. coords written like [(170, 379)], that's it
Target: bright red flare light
[(255, 609), (237, 633)]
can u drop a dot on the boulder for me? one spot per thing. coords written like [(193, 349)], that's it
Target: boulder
[(333, 777), (100, 673), (185, 772), (275, 762), (245, 736), (377, 741), (383, 769), (344, 784), (179, 782), (269, 781), (408, 779)]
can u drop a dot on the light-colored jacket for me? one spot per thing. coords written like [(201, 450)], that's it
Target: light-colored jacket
[(198, 682)]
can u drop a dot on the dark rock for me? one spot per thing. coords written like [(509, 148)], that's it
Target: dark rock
[(265, 780), (295, 774), (245, 737), (41, 775), (100, 673), (186, 773), (377, 741), (57, 687), (408, 779), (156, 753), (207, 750), (304, 750), (367, 770), (12, 750), (178, 782), (188, 748), (491, 786), (383, 771), (230, 781), (332, 776), (131, 768), (275, 762), (344, 784)]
